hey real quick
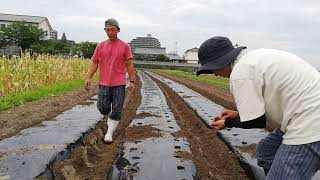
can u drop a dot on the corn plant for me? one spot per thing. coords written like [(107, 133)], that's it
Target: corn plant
[(28, 72)]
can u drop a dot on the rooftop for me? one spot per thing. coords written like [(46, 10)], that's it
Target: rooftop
[(195, 49), (26, 18)]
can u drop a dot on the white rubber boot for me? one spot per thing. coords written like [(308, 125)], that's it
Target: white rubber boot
[(112, 125), (105, 117)]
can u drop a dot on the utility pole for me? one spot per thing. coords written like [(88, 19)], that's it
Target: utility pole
[(176, 47)]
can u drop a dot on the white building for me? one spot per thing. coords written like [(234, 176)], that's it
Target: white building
[(145, 42), (151, 51), (147, 45), (191, 56), (38, 21), (147, 48), (174, 57)]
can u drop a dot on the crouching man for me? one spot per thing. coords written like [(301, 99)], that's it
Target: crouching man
[(275, 86), (112, 56)]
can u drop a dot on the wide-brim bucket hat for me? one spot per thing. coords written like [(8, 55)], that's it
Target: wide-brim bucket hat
[(215, 53)]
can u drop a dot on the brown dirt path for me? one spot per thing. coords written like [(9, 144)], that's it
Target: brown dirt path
[(212, 157), (94, 158)]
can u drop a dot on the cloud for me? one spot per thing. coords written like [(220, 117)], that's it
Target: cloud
[(291, 25), (79, 21)]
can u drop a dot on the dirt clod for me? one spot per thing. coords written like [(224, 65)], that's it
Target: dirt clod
[(145, 114), (135, 133)]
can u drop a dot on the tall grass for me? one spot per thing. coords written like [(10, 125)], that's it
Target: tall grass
[(27, 73)]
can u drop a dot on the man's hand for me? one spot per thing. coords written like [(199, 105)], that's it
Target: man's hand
[(229, 114), (88, 84), (93, 68), (131, 73), (131, 87), (218, 123)]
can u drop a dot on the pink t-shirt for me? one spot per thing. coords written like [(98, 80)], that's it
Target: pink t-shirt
[(112, 57)]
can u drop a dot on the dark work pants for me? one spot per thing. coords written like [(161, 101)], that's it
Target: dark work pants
[(281, 161), (111, 98)]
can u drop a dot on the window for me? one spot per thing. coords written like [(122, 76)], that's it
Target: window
[(2, 25)]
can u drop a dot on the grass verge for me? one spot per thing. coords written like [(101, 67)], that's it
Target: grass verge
[(12, 100), (208, 79)]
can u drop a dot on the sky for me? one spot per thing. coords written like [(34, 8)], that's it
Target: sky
[(290, 25)]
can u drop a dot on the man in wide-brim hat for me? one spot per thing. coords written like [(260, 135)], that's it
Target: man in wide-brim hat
[(274, 86)]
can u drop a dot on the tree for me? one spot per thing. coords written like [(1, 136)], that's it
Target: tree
[(21, 34), (162, 57), (87, 48), (50, 46), (64, 38), (3, 39), (138, 57)]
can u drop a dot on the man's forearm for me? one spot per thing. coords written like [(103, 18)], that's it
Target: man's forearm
[(130, 69), (93, 68), (259, 122)]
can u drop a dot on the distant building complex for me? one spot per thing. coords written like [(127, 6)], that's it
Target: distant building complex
[(147, 48), (145, 42), (41, 22)]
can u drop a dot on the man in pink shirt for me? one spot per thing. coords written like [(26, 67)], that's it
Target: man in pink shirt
[(112, 57)]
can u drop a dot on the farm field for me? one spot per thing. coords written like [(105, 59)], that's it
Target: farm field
[(90, 158), (29, 78)]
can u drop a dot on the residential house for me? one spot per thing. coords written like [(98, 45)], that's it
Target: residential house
[(38, 21), (191, 56)]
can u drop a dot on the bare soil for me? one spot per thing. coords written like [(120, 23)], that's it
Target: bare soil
[(144, 114), (251, 149), (136, 133)]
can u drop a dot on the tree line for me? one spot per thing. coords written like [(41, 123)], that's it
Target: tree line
[(32, 38)]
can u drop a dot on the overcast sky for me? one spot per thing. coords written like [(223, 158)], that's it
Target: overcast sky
[(291, 25)]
